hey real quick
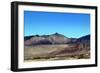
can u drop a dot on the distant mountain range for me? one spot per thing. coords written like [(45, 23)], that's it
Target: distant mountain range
[(55, 38)]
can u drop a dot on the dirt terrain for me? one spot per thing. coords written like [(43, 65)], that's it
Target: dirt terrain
[(54, 52)]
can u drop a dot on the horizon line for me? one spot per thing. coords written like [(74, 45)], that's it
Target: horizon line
[(54, 33)]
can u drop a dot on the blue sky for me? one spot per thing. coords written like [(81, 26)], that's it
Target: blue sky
[(69, 24)]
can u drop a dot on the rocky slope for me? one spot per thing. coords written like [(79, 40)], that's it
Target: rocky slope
[(48, 39)]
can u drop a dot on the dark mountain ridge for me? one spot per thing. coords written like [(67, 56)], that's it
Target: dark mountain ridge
[(55, 38)]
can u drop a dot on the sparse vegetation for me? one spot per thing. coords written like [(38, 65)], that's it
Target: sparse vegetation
[(52, 52)]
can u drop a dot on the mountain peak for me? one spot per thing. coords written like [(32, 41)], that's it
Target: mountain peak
[(58, 34)]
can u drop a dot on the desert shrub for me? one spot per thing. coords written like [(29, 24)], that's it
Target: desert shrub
[(72, 56), (81, 56), (46, 57), (37, 57)]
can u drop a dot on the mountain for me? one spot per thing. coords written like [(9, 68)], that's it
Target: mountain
[(84, 42), (55, 38), (27, 37), (84, 39)]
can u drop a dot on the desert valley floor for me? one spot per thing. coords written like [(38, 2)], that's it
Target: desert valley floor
[(54, 52)]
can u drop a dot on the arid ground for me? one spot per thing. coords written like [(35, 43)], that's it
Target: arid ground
[(54, 52)]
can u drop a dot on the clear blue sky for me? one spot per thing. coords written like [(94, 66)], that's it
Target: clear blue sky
[(69, 24)]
